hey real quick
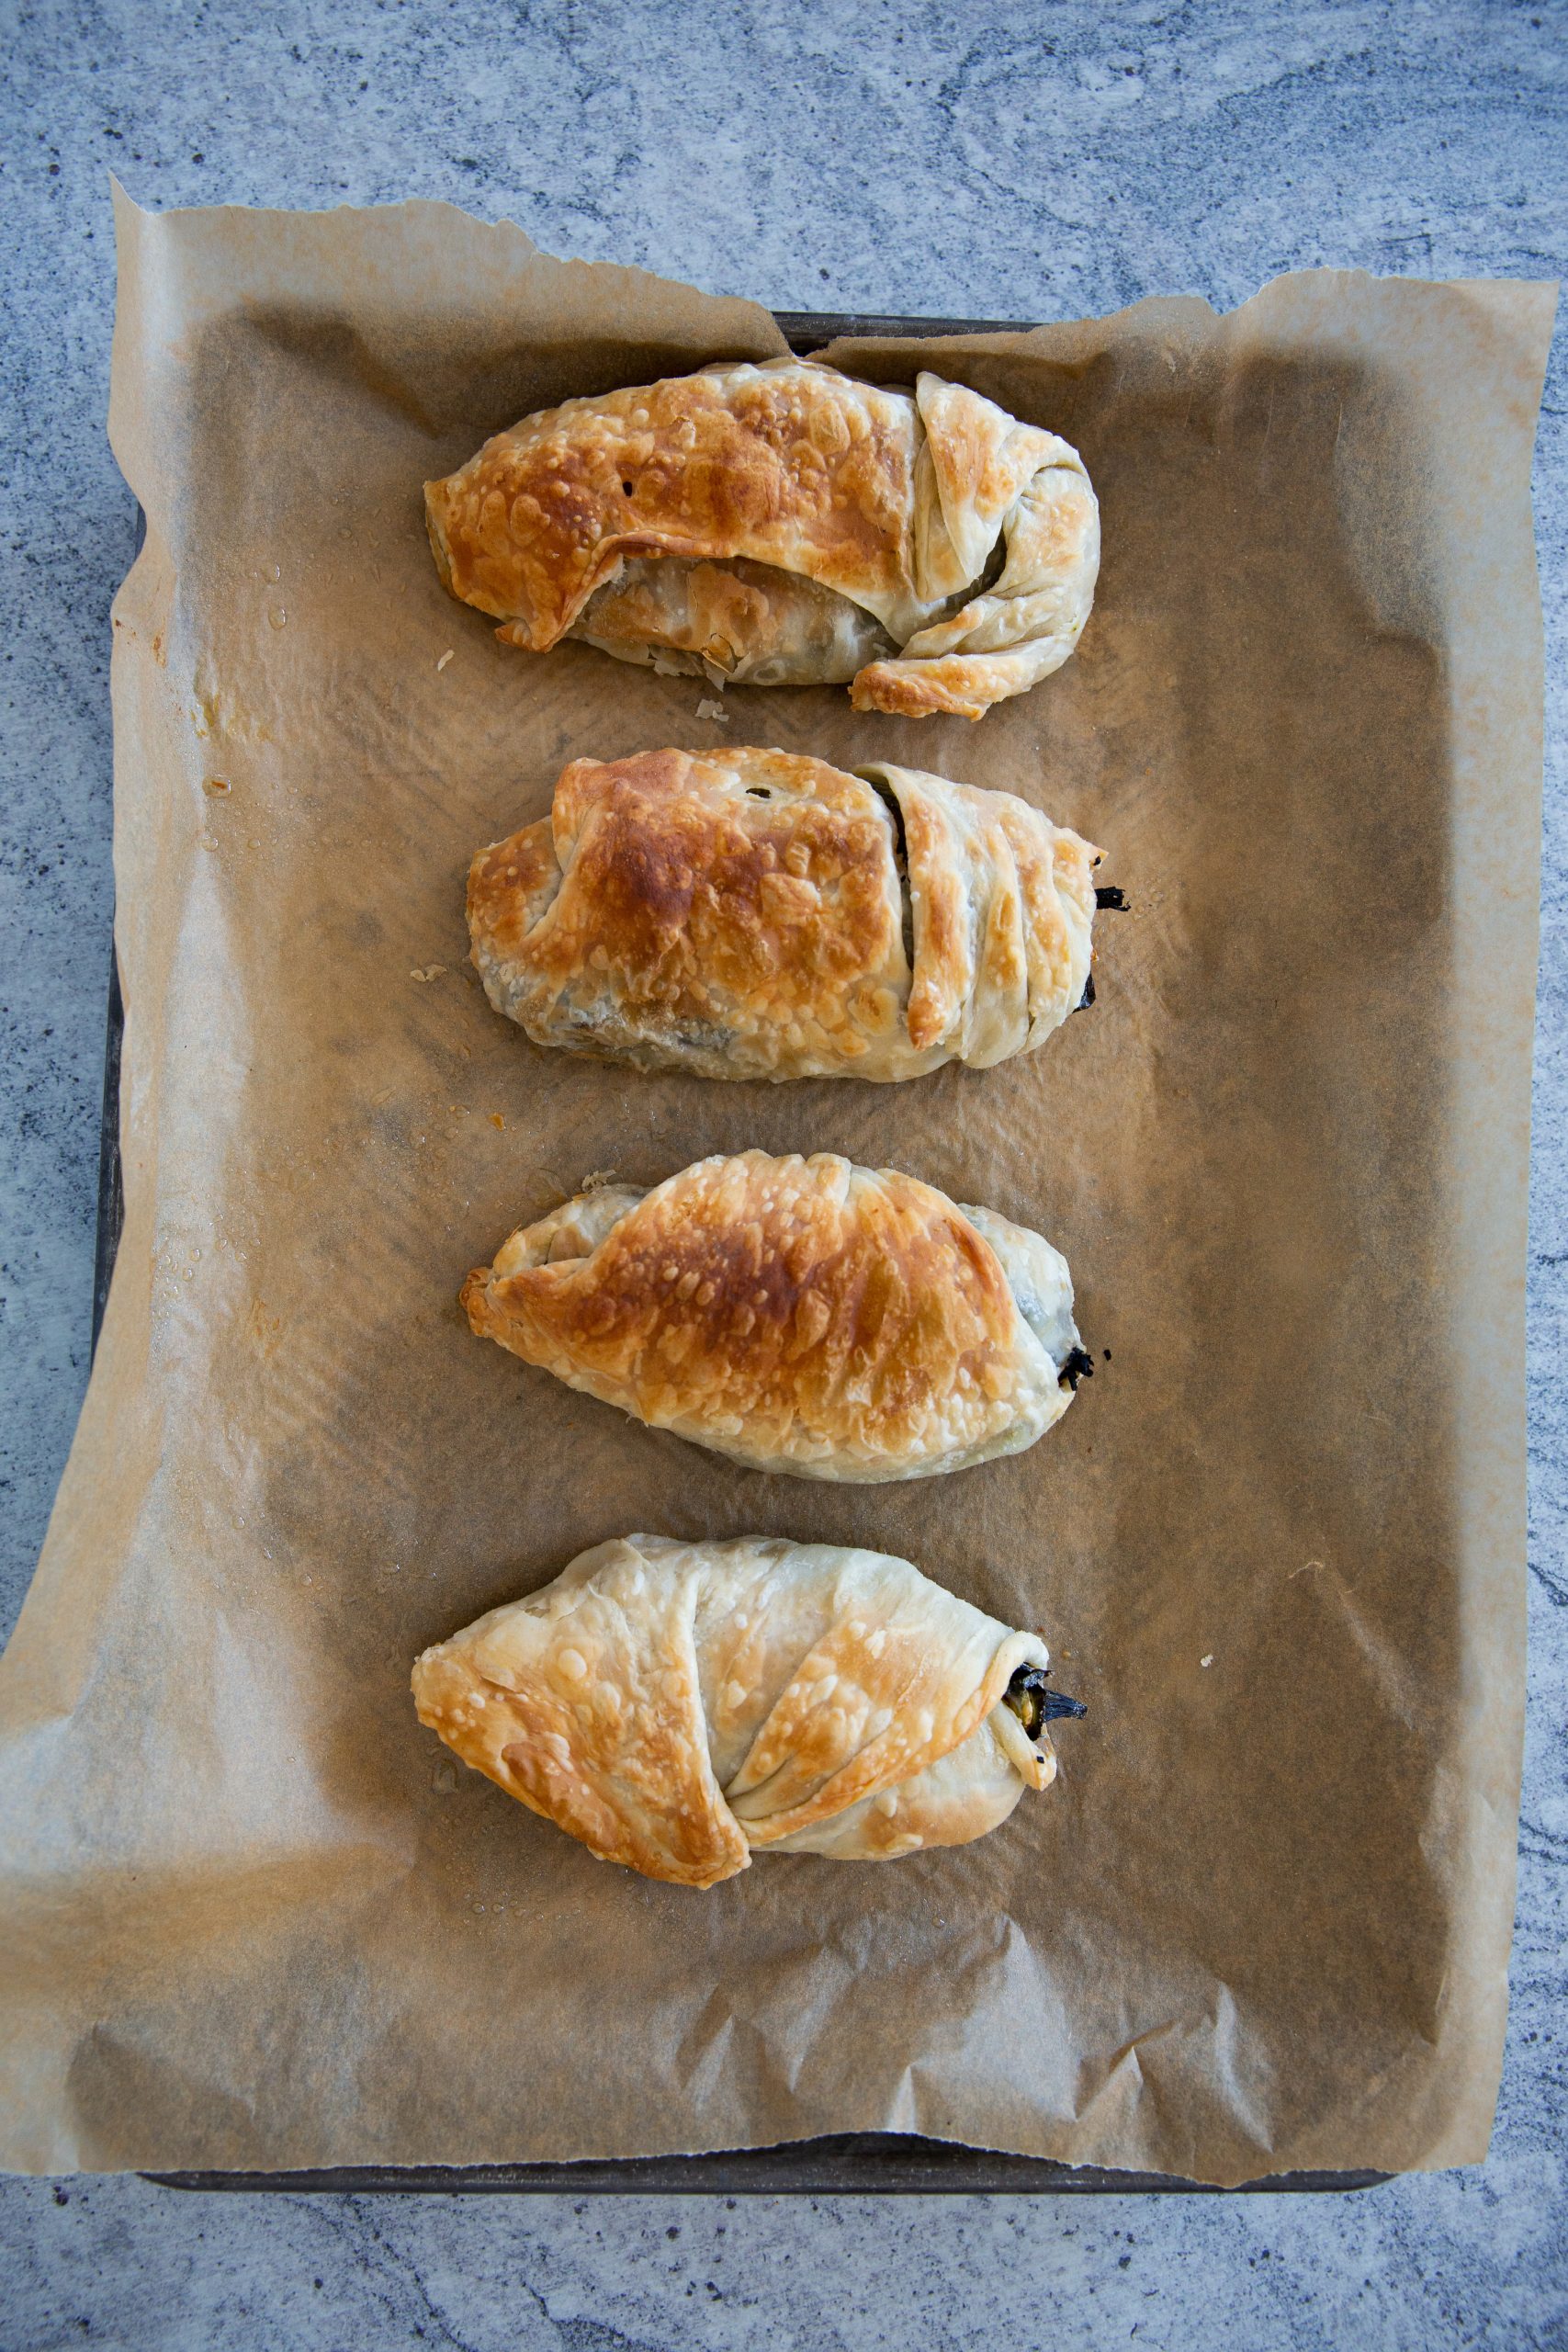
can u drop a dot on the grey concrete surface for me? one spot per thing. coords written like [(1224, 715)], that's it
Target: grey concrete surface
[(1002, 158)]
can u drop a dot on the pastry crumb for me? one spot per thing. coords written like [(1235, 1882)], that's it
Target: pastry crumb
[(1207, 1661), (497, 1121), (597, 1178), (708, 708), (431, 972), (447, 657)]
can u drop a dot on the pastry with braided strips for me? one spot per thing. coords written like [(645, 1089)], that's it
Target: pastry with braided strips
[(783, 525), (678, 1707), (746, 914), (804, 1315)]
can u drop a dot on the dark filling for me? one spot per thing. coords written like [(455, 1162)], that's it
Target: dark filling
[(889, 800), (1110, 899), (990, 571), (1077, 1364), (1088, 997), (1034, 1704), (986, 579)]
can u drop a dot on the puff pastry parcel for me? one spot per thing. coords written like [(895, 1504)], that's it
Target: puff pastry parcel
[(754, 914), (678, 1706), (783, 525), (796, 1314)]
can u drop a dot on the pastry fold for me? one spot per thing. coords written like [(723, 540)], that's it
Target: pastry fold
[(804, 1315), (751, 914), (678, 1706), (783, 525)]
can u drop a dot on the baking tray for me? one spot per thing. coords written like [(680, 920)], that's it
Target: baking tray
[(844, 2164)]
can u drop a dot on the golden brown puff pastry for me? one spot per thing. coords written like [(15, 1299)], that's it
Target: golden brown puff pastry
[(783, 525), (678, 1706), (797, 1315), (754, 914)]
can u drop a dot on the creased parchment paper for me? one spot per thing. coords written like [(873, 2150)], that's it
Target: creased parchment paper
[(255, 1918)]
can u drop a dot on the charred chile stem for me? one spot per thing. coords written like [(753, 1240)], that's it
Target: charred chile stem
[(1034, 1705), (1078, 1365)]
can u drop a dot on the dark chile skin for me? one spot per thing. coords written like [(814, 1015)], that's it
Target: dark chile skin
[(1034, 1705)]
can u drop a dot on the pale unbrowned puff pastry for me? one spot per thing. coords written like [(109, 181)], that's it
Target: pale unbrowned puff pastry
[(754, 914), (681, 1706), (783, 525), (796, 1314)]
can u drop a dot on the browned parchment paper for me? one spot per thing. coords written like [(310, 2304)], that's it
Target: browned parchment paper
[(255, 1918)]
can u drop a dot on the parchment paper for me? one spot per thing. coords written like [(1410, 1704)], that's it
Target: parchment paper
[(255, 1917)]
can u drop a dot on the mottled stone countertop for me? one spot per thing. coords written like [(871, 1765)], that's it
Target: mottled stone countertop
[(995, 160)]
